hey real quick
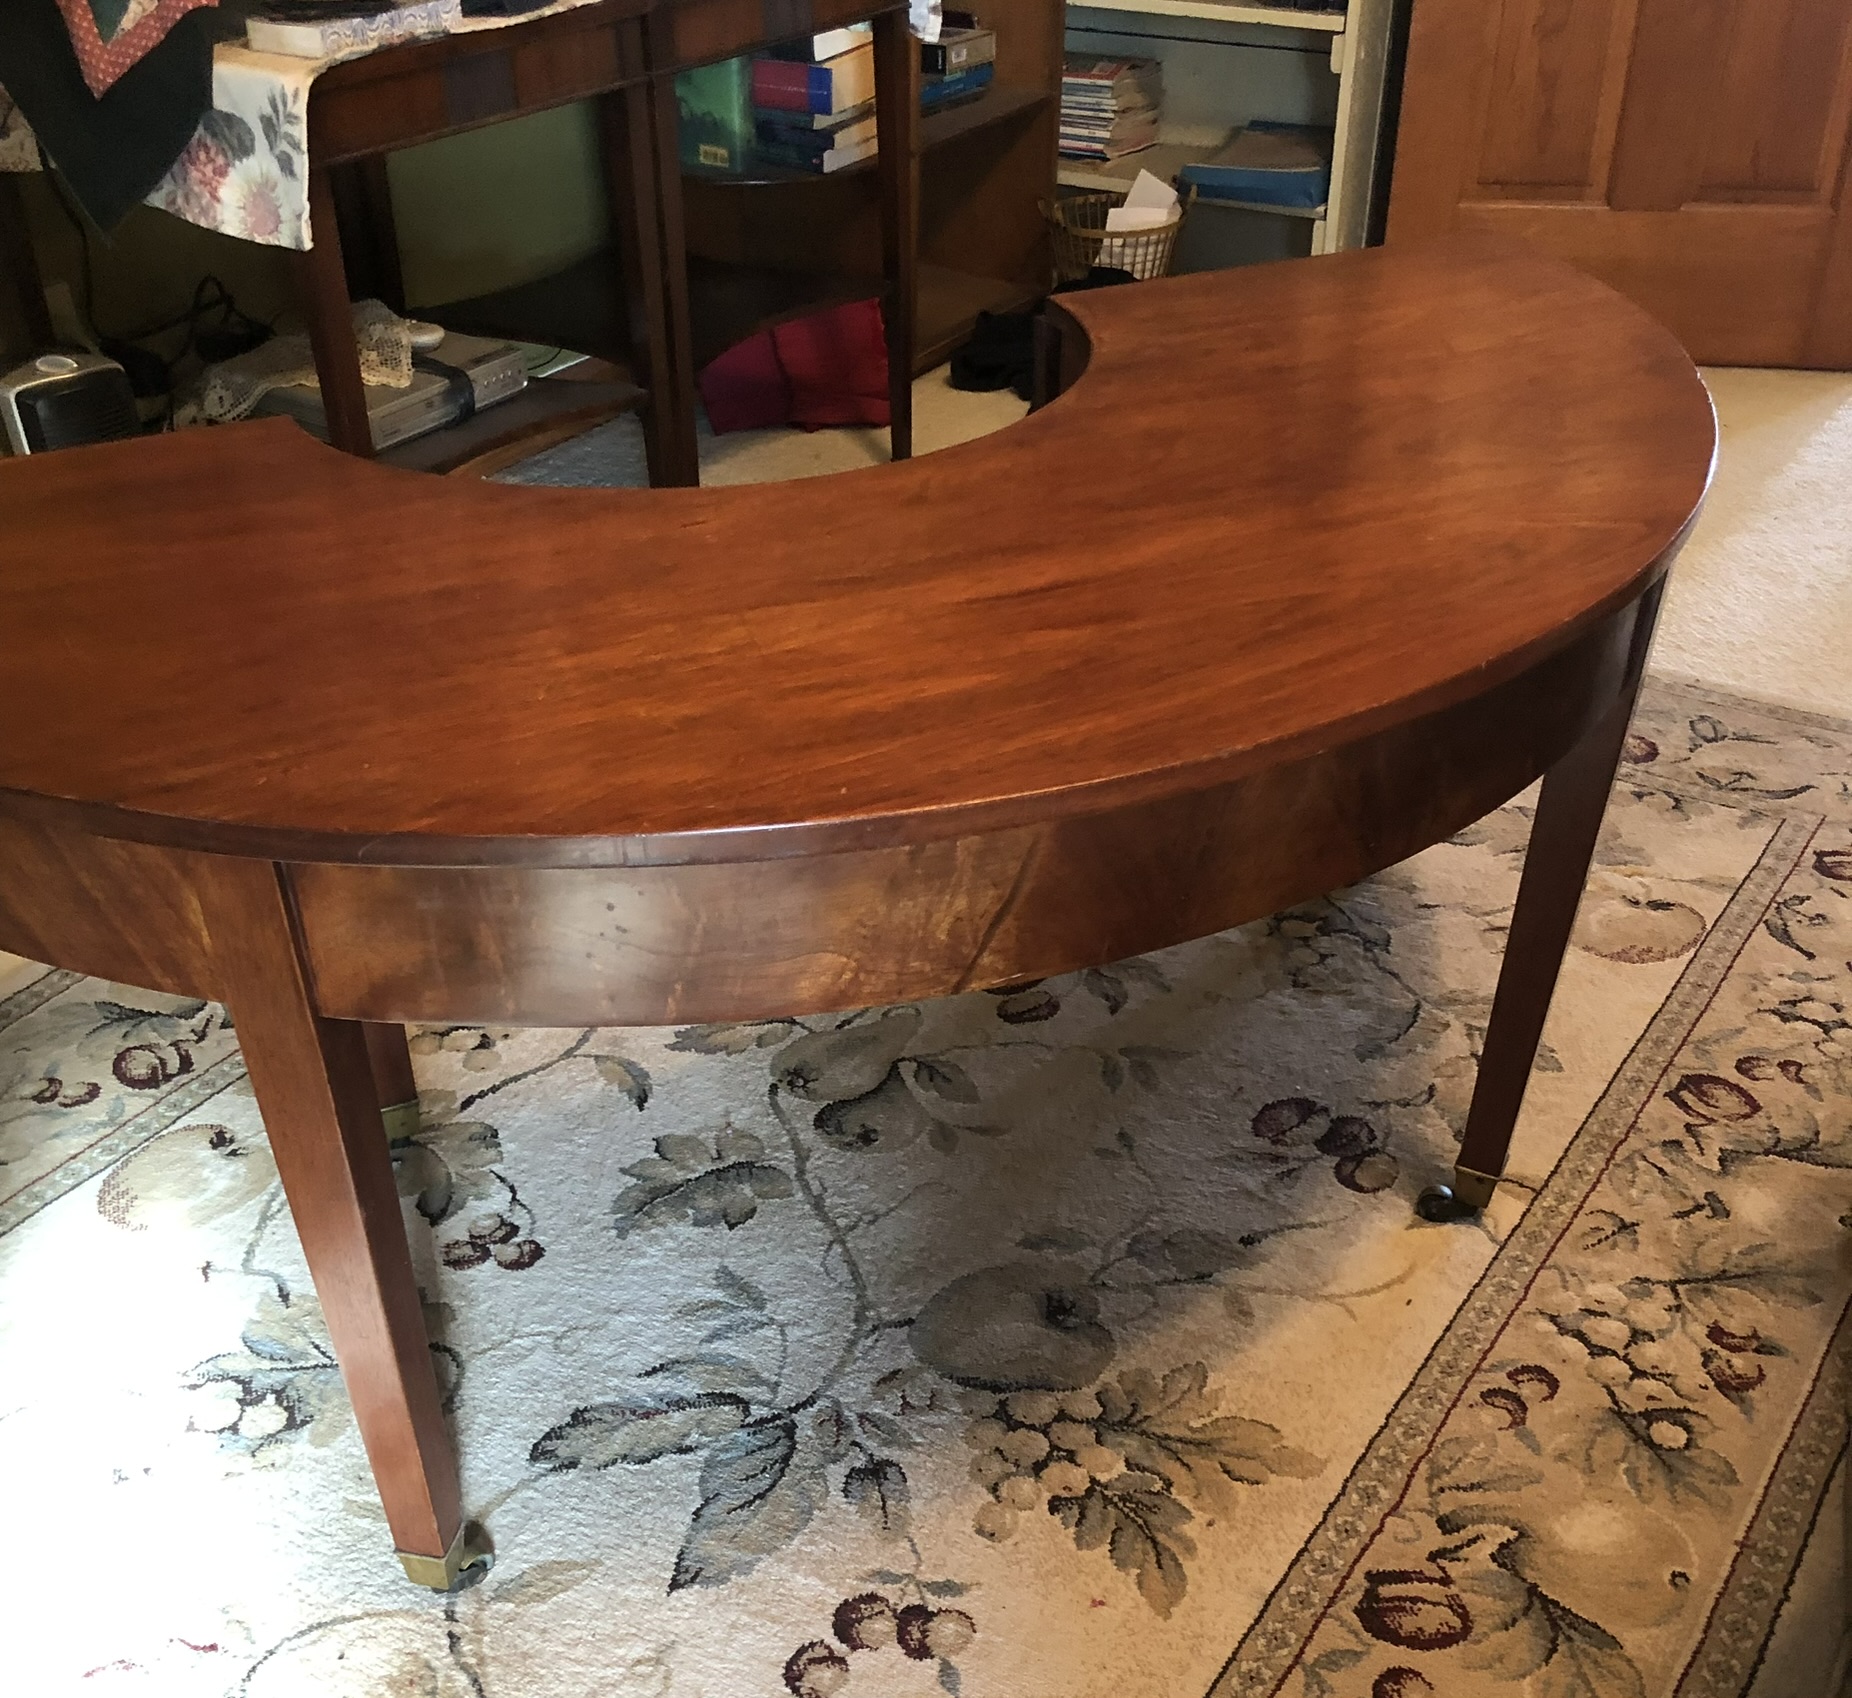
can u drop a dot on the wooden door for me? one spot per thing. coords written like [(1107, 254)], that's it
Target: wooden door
[(1690, 152)]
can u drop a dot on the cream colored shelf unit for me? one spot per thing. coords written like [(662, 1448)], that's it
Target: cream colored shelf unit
[(1282, 17), (1226, 64)]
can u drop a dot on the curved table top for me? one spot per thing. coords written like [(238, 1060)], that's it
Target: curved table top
[(1282, 508)]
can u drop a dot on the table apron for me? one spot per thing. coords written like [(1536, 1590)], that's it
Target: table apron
[(358, 116), (743, 940), (129, 912)]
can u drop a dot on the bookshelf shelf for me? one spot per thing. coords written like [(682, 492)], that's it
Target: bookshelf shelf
[(1164, 162), (1282, 17), (548, 410), (996, 105), (580, 307)]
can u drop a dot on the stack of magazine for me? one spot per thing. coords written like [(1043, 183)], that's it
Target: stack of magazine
[(1109, 107)]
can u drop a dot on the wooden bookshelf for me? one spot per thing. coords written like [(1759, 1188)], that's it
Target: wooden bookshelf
[(985, 168), (580, 307), (549, 410), (1280, 17), (996, 105)]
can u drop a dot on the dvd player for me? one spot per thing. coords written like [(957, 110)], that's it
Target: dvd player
[(460, 376)]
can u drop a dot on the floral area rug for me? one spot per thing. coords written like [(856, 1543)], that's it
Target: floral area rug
[(1071, 1341)]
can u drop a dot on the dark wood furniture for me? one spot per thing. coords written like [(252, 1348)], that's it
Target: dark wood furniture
[(633, 311), (416, 92), (766, 244), (631, 305), (1383, 544), (686, 33)]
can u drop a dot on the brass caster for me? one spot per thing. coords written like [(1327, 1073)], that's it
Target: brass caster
[(401, 1123), (1466, 1197), (468, 1560)]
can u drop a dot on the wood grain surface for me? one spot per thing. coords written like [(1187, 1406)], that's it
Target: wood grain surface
[(807, 934), (315, 1086), (1311, 565), (1693, 153), (1285, 508)]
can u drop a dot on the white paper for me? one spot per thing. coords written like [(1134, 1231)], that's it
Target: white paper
[(1149, 205), (1120, 219), (1148, 190)]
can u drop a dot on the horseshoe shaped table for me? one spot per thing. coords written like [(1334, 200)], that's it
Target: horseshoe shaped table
[(1362, 547)]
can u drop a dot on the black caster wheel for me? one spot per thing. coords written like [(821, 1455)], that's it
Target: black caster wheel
[(1443, 1204)]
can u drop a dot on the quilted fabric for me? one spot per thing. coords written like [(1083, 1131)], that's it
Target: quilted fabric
[(111, 35)]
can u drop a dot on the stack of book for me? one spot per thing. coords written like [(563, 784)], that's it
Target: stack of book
[(959, 65), (1109, 107), (814, 101)]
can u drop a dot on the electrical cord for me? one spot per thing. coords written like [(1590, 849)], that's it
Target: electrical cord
[(235, 331)]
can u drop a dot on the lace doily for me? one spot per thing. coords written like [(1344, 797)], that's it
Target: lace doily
[(230, 389)]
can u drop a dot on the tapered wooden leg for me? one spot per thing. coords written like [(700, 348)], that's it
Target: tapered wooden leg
[(393, 1082), (369, 235), (897, 120), (321, 286), (315, 1087), (1562, 845), (665, 134), (643, 186)]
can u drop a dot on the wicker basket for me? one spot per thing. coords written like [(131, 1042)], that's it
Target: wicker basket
[(1077, 233)]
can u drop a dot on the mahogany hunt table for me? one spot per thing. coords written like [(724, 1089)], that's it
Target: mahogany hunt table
[(345, 747)]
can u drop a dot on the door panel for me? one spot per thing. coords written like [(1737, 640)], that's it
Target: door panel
[(1544, 122), (1693, 153), (1762, 150)]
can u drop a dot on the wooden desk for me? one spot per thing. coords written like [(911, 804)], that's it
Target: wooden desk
[(626, 55), (1382, 543), (366, 108), (575, 308)]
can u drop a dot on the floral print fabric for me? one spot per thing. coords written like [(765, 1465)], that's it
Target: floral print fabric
[(245, 172)]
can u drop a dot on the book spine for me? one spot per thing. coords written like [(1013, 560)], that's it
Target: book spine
[(770, 133), (822, 123), (787, 99), (814, 88), (969, 81)]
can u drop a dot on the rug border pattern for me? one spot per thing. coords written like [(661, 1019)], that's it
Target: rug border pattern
[(1273, 1643)]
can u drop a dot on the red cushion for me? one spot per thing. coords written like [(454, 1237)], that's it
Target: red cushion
[(745, 388), (836, 364)]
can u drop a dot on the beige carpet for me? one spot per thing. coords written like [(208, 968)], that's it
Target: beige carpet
[(1762, 597), (1072, 1343)]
